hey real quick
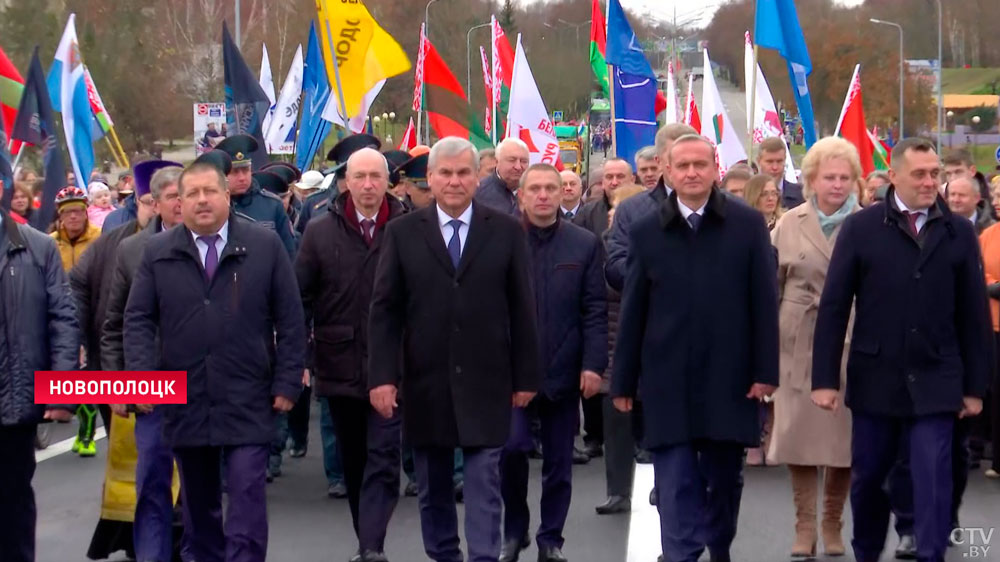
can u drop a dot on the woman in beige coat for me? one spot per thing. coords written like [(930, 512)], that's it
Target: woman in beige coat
[(806, 438)]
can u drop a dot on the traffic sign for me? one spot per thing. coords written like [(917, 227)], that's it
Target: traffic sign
[(557, 115), (997, 154)]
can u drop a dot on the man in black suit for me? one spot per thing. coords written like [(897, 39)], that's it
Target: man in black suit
[(920, 355), (568, 271), (771, 161), (453, 322), (499, 190)]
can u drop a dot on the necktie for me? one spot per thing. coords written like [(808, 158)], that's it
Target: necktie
[(694, 219), (211, 256), (569, 215), (366, 230), (455, 244), (912, 218)]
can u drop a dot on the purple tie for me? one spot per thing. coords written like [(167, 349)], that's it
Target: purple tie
[(212, 256)]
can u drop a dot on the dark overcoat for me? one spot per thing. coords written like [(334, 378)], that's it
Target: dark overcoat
[(699, 323), (460, 342), (240, 337)]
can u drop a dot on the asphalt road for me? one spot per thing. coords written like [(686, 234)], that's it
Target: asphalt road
[(307, 526)]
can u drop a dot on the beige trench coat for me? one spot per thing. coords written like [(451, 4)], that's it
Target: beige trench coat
[(803, 433)]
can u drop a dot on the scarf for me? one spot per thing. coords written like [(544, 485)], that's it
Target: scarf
[(830, 223)]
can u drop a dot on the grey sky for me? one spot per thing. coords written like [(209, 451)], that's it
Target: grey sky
[(689, 12)]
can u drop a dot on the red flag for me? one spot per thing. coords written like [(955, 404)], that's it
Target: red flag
[(488, 85), (852, 127), (418, 72), (447, 109), (11, 86), (691, 116), (409, 139)]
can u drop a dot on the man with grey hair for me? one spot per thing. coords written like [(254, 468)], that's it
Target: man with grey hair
[(487, 162), (453, 303), (647, 167), (499, 190), (152, 527), (335, 268)]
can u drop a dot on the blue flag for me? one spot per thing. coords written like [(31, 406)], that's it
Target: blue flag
[(313, 129), (246, 102), (36, 124), (778, 28), (6, 174), (623, 49), (635, 119), (634, 85)]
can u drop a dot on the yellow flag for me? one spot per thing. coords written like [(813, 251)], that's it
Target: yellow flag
[(365, 53)]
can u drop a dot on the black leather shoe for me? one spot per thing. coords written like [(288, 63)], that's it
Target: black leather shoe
[(372, 556), (297, 452), (511, 549), (644, 457), (615, 504), (411, 490), (460, 492), (907, 548), (355, 558), (580, 456), (536, 451), (653, 496), (594, 450), (551, 554)]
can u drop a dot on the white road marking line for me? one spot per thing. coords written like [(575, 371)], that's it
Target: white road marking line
[(64, 446), (644, 525)]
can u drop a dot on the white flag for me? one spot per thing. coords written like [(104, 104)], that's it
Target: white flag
[(527, 118), (715, 123), (356, 123), (267, 83), (766, 122), (286, 110), (673, 110)]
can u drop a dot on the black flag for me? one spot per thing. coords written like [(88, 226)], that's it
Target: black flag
[(36, 125), (246, 102)]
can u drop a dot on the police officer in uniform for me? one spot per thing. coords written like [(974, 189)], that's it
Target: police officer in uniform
[(317, 203), (413, 178), (264, 208), (395, 159), (289, 174)]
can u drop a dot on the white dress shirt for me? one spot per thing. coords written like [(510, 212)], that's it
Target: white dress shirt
[(220, 243), (687, 211), (574, 210), (921, 220), (446, 229), (360, 223)]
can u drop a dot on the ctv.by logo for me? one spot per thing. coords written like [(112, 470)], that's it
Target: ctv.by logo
[(974, 540)]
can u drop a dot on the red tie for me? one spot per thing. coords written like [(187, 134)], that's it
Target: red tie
[(366, 230), (912, 218)]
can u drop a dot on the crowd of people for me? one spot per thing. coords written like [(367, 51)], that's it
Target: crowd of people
[(456, 312)]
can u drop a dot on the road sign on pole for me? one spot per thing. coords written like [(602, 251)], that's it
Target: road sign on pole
[(557, 115), (997, 154)]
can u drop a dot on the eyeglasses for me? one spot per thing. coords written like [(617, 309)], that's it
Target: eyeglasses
[(146, 201)]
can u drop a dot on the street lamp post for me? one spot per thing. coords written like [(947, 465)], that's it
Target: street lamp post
[(940, 96), (468, 58), (951, 134), (576, 26), (975, 136), (901, 72)]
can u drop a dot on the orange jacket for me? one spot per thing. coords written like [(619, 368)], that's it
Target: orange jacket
[(989, 241)]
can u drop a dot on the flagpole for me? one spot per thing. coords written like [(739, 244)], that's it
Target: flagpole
[(751, 120), (114, 153), (17, 160), (611, 95), (114, 135), (336, 73)]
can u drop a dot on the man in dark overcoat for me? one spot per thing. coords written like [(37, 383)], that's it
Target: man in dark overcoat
[(453, 320), (220, 293), (571, 303), (920, 354), (698, 345)]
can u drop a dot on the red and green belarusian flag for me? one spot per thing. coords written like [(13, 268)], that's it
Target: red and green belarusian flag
[(598, 47), (851, 126), (448, 109), (503, 70), (11, 87)]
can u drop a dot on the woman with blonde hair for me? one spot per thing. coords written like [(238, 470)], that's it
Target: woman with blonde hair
[(761, 192), (808, 439)]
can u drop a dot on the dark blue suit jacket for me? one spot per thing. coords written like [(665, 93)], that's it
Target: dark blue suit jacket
[(922, 328), (571, 302)]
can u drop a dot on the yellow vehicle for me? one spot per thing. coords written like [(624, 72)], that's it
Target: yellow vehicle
[(571, 155)]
